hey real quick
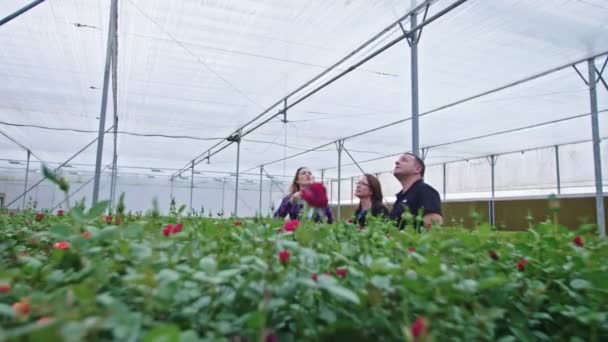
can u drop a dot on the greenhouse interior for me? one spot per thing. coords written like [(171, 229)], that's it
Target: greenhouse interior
[(154, 160)]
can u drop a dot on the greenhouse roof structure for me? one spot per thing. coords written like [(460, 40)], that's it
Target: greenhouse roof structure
[(191, 86)]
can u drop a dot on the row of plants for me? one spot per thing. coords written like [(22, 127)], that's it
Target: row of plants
[(80, 275)]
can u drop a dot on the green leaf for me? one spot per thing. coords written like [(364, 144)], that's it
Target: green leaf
[(97, 210), (189, 336), (7, 310), (163, 333), (341, 292), (60, 231), (579, 284)]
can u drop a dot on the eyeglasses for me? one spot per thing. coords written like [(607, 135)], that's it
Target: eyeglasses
[(361, 183)]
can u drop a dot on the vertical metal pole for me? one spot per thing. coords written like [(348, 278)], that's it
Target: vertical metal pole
[(223, 193), (597, 158), (115, 111), (171, 187), (322, 175), (559, 181), (492, 202), (236, 187), (444, 182), (270, 195), (260, 206), (191, 186), (414, 75), (339, 212), (104, 101), (27, 173), (331, 190)]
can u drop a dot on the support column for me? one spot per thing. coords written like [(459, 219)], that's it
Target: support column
[(597, 158), (191, 186), (223, 193), (492, 201), (559, 182), (27, 174), (414, 75), (261, 175), (171, 187), (270, 196), (444, 182), (322, 175), (104, 102), (339, 211), (352, 190), (236, 187)]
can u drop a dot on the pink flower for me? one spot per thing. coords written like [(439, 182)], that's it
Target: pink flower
[(86, 235), (419, 327), (39, 216), (167, 230), (290, 226), (5, 288), (60, 212), (177, 228), (341, 272), (284, 256), (579, 241), (61, 245)]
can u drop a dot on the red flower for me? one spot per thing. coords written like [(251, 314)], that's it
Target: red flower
[(326, 274), (315, 195), (290, 226), (5, 288), (86, 235), (315, 277), (411, 249), (493, 254), (108, 219), (350, 221), (61, 245), (419, 327), (284, 256), (579, 241), (341, 272), (60, 212), (168, 229), (39, 216), (521, 265), (279, 230), (238, 223), (177, 228), (22, 308)]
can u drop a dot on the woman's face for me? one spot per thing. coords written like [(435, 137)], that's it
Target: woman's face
[(363, 190), (304, 177)]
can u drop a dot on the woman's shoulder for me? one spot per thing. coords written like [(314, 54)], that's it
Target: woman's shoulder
[(379, 209)]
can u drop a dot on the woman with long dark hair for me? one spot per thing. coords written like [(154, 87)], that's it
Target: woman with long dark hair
[(293, 203), (369, 192)]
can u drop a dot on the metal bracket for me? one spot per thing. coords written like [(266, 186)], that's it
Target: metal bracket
[(600, 72), (413, 37), (493, 159), (581, 75), (236, 137), (425, 152), (353, 159)]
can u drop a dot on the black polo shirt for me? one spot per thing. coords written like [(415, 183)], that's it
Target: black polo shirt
[(419, 196)]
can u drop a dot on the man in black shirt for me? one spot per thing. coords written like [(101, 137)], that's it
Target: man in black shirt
[(416, 195)]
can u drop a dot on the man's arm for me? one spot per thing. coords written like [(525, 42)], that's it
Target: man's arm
[(432, 208)]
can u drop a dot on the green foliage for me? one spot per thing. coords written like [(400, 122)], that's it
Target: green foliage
[(216, 280)]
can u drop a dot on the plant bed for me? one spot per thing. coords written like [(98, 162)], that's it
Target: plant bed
[(82, 277)]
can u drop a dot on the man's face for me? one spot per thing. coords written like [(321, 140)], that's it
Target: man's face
[(406, 166)]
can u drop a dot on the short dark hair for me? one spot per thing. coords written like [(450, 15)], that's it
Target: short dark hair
[(420, 163)]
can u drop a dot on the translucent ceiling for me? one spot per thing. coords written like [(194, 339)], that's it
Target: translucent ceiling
[(194, 71)]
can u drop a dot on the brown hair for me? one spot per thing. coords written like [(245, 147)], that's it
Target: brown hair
[(295, 187), (375, 188)]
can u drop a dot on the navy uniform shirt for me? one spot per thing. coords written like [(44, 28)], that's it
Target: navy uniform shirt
[(376, 210), (419, 196)]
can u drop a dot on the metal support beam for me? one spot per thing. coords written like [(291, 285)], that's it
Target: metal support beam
[(414, 76), (115, 112), (351, 158), (597, 158), (20, 12), (104, 101), (444, 182), (27, 173), (191, 186), (261, 189), (223, 194), (492, 208), (171, 188), (270, 197), (322, 175), (557, 171), (236, 187), (340, 148)]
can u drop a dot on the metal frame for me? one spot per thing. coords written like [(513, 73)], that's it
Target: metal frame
[(20, 12), (104, 98), (492, 205)]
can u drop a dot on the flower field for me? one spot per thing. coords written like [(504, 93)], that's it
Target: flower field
[(83, 276)]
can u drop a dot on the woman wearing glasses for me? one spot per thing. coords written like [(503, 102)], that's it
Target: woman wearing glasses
[(369, 192)]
